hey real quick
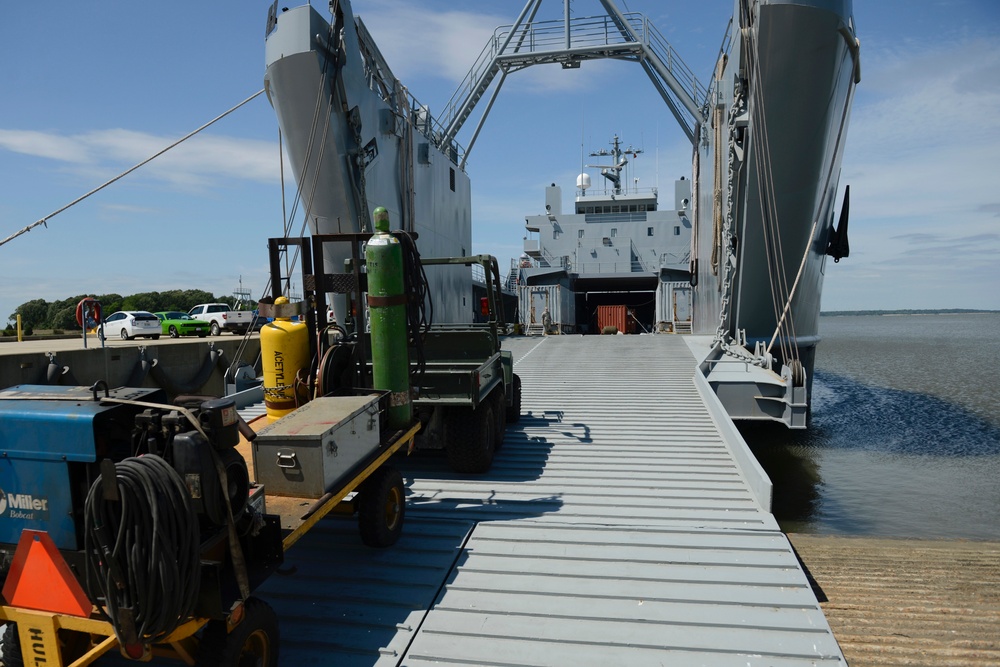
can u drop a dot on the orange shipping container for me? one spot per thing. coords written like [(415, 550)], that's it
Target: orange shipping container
[(615, 316)]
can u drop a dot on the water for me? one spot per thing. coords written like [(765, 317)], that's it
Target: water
[(905, 437)]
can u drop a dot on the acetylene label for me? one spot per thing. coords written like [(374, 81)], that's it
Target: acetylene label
[(23, 506)]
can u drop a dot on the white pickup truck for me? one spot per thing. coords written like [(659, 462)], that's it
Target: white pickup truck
[(222, 318)]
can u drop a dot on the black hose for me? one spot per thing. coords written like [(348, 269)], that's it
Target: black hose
[(420, 308), (143, 550)]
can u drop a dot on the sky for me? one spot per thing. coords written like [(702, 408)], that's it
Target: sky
[(91, 89)]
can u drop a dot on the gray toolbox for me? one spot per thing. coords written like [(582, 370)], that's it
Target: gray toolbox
[(311, 451)]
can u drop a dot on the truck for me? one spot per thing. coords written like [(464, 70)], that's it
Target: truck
[(223, 318)]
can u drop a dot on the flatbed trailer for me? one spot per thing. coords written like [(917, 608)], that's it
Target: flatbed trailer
[(248, 630)]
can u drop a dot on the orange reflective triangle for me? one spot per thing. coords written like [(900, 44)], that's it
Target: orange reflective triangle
[(39, 578)]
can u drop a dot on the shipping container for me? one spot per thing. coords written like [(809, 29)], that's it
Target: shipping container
[(558, 301), (673, 307), (617, 316)]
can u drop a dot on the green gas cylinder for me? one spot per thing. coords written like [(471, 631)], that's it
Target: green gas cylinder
[(387, 317)]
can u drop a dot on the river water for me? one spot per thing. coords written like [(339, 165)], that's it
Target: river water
[(905, 434)]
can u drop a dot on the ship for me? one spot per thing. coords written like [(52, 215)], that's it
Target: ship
[(739, 259), (618, 260)]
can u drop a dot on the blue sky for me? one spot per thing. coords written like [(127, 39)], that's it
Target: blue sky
[(92, 88)]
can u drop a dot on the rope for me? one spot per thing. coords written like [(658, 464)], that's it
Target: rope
[(780, 292), (44, 221)]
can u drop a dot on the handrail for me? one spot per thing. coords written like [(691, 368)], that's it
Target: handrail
[(588, 37)]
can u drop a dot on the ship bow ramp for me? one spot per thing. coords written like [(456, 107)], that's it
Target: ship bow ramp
[(623, 522)]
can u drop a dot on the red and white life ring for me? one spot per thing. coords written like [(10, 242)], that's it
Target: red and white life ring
[(88, 313)]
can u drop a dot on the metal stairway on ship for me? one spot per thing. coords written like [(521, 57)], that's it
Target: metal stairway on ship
[(568, 42)]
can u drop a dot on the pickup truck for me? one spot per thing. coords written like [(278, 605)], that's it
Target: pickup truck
[(222, 318)]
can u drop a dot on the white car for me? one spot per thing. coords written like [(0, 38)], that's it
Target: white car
[(130, 323)]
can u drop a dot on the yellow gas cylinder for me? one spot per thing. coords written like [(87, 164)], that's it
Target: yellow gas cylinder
[(284, 351)]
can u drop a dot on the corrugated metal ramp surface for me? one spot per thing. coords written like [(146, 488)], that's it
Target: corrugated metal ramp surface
[(615, 528)]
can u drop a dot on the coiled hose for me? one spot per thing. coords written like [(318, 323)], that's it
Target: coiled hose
[(143, 550)]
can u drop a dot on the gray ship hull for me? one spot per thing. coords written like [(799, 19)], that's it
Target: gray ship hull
[(779, 157), (356, 140)]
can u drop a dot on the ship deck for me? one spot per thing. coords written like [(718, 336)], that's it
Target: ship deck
[(622, 523)]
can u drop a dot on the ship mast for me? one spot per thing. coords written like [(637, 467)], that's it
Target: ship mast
[(618, 158)]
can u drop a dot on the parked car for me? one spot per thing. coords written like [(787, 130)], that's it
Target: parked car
[(130, 323), (222, 318), (175, 323)]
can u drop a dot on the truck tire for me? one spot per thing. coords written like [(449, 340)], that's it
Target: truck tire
[(470, 438), (215, 329), (253, 642), (499, 398), (382, 506), (514, 409)]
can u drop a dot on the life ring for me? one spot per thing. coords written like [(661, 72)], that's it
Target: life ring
[(88, 313)]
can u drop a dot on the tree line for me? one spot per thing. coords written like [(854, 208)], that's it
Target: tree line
[(42, 314)]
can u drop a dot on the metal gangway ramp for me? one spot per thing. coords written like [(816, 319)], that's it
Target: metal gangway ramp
[(621, 524)]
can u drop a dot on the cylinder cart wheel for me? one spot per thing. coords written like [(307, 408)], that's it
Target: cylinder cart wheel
[(253, 642), (10, 644), (382, 506)]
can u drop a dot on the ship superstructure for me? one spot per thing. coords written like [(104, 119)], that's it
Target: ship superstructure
[(617, 247)]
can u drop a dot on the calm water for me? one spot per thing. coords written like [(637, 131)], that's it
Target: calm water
[(905, 438)]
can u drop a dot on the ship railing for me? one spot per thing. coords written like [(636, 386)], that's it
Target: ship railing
[(583, 196), (675, 258), (383, 82), (724, 49), (619, 266), (637, 262), (684, 75), (615, 217), (478, 274), (586, 38)]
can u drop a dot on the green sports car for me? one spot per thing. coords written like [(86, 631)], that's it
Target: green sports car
[(176, 324)]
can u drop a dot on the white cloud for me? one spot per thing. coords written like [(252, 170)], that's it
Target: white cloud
[(921, 154), (201, 161), (43, 144)]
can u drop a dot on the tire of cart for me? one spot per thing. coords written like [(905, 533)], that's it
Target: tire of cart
[(470, 438), (382, 507), (10, 644), (253, 642)]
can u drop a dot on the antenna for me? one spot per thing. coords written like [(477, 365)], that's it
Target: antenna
[(657, 155)]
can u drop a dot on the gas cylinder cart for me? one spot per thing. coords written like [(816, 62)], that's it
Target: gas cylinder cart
[(132, 523), (452, 377)]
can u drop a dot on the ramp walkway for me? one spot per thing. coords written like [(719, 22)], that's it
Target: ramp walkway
[(617, 526)]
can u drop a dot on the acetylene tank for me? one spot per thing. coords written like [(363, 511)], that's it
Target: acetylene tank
[(284, 350)]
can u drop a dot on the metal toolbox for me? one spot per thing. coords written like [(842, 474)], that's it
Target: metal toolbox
[(311, 450)]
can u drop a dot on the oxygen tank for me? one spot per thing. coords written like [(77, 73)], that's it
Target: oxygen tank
[(387, 317), (284, 351)]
